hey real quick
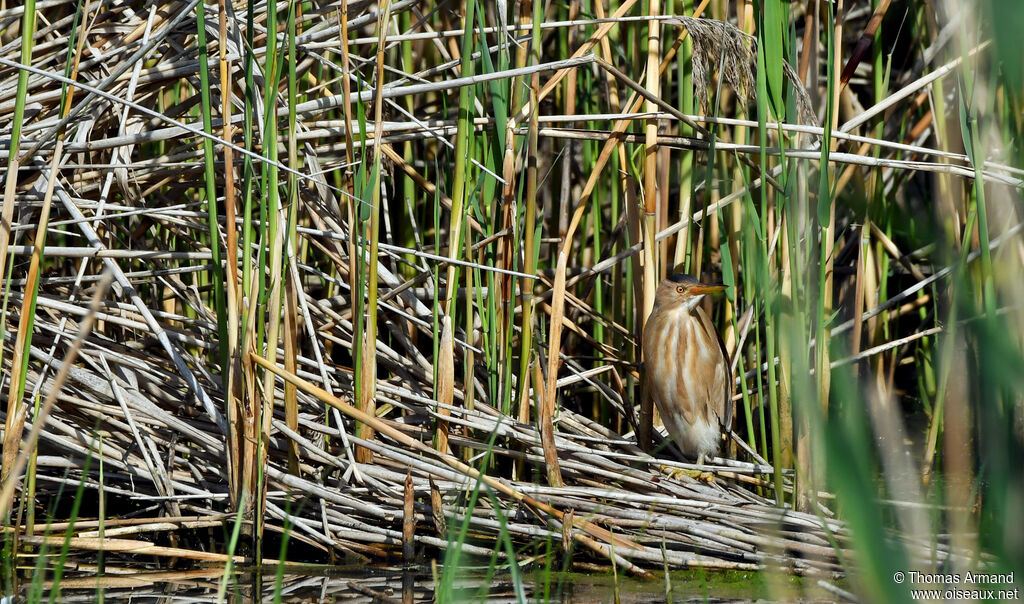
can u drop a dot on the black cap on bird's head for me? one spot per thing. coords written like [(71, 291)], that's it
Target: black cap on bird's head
[(683, 279)]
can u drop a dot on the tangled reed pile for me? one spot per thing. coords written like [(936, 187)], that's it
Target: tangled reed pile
[(113, 176)]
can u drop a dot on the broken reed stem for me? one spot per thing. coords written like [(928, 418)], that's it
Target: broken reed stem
[(409, 521), (445, 382)]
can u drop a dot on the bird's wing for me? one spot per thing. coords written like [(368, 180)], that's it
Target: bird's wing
[(726, 412), (721, 387)]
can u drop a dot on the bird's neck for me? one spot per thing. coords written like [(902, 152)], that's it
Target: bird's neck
[(691, 304)]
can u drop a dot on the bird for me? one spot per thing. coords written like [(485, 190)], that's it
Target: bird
[(686, 367)]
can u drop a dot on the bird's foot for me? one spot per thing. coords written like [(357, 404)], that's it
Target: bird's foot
[(678, 473)]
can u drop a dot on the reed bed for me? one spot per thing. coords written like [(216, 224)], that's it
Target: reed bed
[(375, 281)]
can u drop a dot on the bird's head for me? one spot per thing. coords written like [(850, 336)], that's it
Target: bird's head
[(680, 290)]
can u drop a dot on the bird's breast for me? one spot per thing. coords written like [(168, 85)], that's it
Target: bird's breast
[(686, 369)]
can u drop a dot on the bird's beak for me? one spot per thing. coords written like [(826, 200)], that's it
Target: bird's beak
[(701, 289)]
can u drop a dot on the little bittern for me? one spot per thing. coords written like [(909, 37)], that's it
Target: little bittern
[(687, 367)]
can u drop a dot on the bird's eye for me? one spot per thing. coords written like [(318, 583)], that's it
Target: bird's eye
[(680, 289)]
